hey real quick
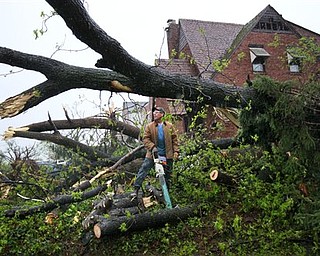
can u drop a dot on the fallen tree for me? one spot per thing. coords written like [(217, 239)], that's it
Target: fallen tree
[(129, 74), (125, 74)]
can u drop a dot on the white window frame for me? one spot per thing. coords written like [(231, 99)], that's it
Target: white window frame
[(293, 67), (258, 57)]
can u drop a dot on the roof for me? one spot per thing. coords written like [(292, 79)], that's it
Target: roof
[(207, 41), (253, 25), (304, 32), (178, 66)]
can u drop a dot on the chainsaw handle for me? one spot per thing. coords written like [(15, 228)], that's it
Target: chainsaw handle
[(155, 155)]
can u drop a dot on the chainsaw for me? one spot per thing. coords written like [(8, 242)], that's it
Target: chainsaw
[(159, 163)]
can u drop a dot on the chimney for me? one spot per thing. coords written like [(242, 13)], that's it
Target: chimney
[(172, 36)]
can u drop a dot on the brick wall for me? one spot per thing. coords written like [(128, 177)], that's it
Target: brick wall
[(239, 68), (276, 65), (172, 37)]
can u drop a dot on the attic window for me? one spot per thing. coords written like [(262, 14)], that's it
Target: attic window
[(272, 23), (294, 62), (258, 59)]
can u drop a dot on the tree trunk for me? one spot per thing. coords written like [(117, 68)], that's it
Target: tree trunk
[(130, 76), (118, 212), (142, 221)]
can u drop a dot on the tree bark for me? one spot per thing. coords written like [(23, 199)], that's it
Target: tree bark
[(220, 177), (90, 122), (142, 221), (117, 205), (119, 212)]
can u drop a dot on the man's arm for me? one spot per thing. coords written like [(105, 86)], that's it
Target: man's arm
[(175, 141), (147, 138)]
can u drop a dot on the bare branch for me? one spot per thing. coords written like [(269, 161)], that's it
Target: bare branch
[(55, 202), (78, 147), (90, 122)]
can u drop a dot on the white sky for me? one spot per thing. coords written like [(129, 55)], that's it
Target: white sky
[(137, 25)]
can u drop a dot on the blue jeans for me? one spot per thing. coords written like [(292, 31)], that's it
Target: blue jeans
[(146, 166)]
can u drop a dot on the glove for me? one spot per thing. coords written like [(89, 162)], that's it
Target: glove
[(175, 155)]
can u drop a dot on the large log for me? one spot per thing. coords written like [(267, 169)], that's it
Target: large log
[(100, 207), (116, 205), (118, 212), (111, 226)]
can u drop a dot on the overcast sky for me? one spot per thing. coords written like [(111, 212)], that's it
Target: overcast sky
[(137, 25)]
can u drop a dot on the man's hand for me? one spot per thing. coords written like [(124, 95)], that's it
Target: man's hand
[(175, 155), (154, 150)]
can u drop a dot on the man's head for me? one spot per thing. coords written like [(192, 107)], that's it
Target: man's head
[(158, 113), (160, 109)]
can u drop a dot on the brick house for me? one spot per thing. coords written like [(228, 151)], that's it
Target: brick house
[(259, 47)]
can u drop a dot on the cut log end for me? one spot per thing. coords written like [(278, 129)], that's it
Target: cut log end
[(214, 175), (97, 230), (222, 178)]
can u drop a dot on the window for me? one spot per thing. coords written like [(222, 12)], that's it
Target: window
[(294, 62), (258, 59), (271, 24)]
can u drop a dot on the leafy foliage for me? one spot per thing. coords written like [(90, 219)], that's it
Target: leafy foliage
[(33, 236), (272, 209), (286, 117), (254, 217)]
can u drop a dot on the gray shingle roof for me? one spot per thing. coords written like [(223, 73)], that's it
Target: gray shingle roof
[(207, 41)]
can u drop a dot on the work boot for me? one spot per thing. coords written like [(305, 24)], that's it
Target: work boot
[(136, 191)]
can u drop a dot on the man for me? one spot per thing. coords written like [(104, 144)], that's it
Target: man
[(160, 138)]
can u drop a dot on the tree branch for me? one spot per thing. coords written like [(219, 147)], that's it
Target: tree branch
[(57, 201), (90, 122), (117, 59), (78, 147), (136, 78)]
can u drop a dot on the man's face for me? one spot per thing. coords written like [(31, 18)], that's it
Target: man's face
[(157, 115)]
